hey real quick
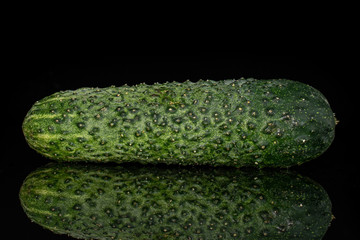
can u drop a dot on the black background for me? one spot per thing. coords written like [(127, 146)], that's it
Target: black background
[(34, 76)]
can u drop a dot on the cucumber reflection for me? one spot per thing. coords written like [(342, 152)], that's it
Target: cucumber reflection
[(158, 202)]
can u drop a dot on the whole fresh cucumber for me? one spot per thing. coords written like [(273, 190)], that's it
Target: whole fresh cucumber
[(154, 202), (243, 122)]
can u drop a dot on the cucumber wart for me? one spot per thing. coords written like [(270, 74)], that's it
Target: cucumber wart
[(156, 202), (245, 122)]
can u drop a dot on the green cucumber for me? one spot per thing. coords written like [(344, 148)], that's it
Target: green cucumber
[(245, 122), (156, 202)]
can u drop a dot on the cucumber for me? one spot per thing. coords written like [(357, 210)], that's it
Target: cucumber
[(245, 122), (174, 202)]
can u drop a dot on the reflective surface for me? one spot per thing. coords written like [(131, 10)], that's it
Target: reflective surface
[(169, 202), (335, 170)]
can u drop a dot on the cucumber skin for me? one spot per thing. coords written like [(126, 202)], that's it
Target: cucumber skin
[(245, 122), (154, 202)]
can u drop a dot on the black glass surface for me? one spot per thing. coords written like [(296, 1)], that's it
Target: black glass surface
[(36, 77)]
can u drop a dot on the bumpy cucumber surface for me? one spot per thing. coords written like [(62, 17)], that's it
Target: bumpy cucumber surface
[(154, 202), (243, 122)]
